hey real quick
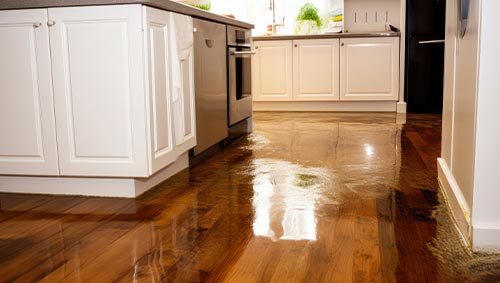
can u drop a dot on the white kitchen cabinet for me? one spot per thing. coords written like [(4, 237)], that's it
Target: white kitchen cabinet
[(157, 30), (27, 124), (369, 68), (272, 70), (316, 69), (171, 114), (99, 90), (103, 84)]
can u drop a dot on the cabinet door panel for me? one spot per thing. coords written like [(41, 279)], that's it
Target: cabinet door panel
[(369, 68), (99, 94), (316, 69), (158, 61), (272, 70), (27, 129), (183, 91)]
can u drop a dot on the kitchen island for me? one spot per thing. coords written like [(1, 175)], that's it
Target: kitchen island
[(166, 5), (96, 97)]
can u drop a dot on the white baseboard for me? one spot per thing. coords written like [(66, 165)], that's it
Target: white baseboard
[(83, 186), (337, 106), (401, 107), (486, 238), (456, 201)]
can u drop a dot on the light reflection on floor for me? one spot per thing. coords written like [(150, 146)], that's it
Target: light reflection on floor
[(285, 199)]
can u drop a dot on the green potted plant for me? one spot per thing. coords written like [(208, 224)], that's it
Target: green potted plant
[(308, 19), (203, 6)]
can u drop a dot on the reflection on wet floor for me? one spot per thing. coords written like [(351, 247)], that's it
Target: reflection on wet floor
[(307, 197)]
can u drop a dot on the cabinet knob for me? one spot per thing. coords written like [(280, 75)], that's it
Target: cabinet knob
[(37, 25), (256, 47), (342, 44), (295, 45), (50, 23)]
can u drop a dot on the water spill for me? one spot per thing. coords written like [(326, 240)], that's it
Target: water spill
[(458, 263), (308, 197), (287, 197)]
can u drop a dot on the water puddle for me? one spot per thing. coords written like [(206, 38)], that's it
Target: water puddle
[(287, 197)]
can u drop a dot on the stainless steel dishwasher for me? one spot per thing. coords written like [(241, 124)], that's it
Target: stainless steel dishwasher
[(210, 83)]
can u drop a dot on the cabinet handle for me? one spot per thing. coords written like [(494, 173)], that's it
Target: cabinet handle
[(50, 23), (37, 25)]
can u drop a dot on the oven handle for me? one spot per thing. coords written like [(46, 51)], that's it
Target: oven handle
[(242, 53)]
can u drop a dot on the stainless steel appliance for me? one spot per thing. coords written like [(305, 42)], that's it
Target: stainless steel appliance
[(210, 83), (239, 41)]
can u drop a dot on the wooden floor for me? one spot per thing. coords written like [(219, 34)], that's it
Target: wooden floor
[(308, 197)]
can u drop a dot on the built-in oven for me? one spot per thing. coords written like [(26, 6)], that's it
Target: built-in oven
[(239, 41)]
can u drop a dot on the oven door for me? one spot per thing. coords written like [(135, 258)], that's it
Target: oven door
[(240, 84)]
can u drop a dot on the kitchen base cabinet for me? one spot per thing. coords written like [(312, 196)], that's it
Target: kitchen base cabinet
[(329, 70), (369, 68), (99, 90), (272, 70), (316, 69), (97, 102), (27, 123), (171, 112)]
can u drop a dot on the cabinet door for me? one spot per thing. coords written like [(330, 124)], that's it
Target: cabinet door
[(316, 69), (27, 129), (182, 70), (97, 62), (157, 33), (272, 70), (369, 68)]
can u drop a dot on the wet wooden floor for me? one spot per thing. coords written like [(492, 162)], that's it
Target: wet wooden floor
[(308, 197)]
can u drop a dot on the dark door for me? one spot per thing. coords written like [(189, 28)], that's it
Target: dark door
[(424, 64), (424, 74)]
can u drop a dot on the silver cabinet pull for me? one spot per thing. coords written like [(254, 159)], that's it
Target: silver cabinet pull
[(431, 41), (50, 23), (37, 25)]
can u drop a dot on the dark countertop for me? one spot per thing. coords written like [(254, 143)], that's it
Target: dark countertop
[(161, 4), (327, 35)]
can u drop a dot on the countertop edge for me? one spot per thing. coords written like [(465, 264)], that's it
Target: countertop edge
[(167, 5), (329, 35)]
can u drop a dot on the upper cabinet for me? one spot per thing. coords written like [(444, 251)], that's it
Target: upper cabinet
[(316, 69), (369, 68), (104, 93), (27, 123)]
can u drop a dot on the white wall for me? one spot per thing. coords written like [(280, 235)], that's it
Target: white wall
[(467, 168), (371, 15), (486, 195), (258, 12)]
